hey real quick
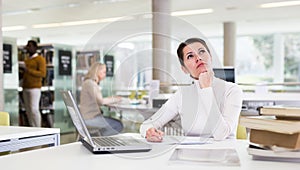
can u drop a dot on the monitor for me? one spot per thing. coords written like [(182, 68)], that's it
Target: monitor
[(226, 73)]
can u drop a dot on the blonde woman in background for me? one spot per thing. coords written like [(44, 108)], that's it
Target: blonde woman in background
[(91, 100)]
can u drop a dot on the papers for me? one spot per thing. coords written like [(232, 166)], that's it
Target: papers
[(217, 156), (274, 154), (184, 140)]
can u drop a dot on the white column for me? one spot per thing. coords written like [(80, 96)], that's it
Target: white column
[(1, 64), (229, 43), (278, 60), (161, 41)]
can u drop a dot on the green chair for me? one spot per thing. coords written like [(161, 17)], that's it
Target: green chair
[(4, 119), (241, 132)]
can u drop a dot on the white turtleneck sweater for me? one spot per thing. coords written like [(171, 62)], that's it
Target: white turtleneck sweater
[(208, 112)]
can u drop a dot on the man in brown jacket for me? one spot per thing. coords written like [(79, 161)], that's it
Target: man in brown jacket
[(35, 70)]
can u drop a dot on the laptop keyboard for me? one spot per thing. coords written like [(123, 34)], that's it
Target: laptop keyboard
[(109, 141)]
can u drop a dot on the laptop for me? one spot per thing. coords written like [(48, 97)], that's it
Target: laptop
[(101, 144)]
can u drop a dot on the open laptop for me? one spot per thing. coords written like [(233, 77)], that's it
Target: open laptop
[(102, 144)]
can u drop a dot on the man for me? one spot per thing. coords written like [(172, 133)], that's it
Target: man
[(34, 71)]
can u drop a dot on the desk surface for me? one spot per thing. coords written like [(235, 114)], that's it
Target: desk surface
[(13, 138), (12, 132), (145, 110), (75, 156), (126, 105)]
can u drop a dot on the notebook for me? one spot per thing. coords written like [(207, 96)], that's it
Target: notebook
[(101, 144)]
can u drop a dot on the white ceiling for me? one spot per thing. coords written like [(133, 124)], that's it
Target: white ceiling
[(250, 19)]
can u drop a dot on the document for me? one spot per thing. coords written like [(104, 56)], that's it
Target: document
[(201, 156), (183, 140), (273, 154)]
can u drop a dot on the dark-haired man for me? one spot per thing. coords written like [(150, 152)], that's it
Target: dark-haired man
[(35, 70)]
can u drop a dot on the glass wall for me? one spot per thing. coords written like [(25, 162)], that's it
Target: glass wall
[(272, 59), (260, 59)]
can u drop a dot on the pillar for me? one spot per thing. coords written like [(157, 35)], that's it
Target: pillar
[(229, 43), (1, 64), (161, 41)]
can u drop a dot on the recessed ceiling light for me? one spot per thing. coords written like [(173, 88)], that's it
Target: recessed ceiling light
[(192, 12), (83, 22), (107, 1), (14, 28), (127, 45), (9, 13), (280, 4), (73, 5)]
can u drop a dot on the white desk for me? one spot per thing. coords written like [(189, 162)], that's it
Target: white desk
[(145, 110), (76, 157), (13, 138)]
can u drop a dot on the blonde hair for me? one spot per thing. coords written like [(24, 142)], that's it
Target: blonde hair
[(93, 71)]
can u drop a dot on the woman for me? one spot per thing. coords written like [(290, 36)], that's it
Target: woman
[(91, 99), (210, 107)]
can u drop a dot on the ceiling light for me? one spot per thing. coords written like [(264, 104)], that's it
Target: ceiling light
[(280, 4), (83, 22), (8, 13), (192, 12), (110, 19), (14, 28), (127, 45), (147, 16), (50, 25), (62, 24), (107, 1), (73, 5)]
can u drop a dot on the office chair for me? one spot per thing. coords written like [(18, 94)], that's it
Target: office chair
[(241, 132), (4, 119)]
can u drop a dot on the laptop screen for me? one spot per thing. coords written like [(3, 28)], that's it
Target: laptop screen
[(75, 115)]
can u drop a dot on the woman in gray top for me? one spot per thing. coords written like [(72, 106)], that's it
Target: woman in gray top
[(91, 99)]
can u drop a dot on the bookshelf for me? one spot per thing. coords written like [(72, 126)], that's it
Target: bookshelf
[(60, 71)]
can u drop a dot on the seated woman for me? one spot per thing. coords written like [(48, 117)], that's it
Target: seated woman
[(91, 99), (210, 107)]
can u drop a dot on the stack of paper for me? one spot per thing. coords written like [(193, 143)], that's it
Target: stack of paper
[(277, 127), (218, 156), (274, 154)]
